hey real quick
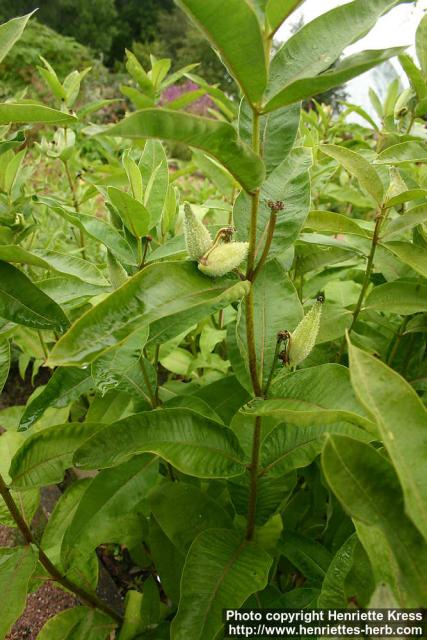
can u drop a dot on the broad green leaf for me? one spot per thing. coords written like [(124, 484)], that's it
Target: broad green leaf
[(276, 307), (195, 404), (317, 45), (78, 623), (415, 76), (278, 131), (277, 11), (289, 446), (94, 106), (111, 497), (59, 262), (16, 568), (355, 108), (68, 290), (309, 557), (272, 494), (238, 41), (138, 73), (82, 572), (402, 152), (219, 139), (421, 44), (410, 254), (140, 100), (225, 396), (13, 170), (132, 626), (336, 223), (186, 99), (215, 172), (290, 183), (385, 569), (342, 72), (10, 32), (168, 561), (296, 411), (27, 501), (4, 361), (14, 112), (335, 318), (134, 176), (183, 511), (45, 455), (97, 229), (133, 213), (359, 167), (404, 298), (408, 220), (65, 386), (417, 324), (155, 177), (333, 594), (190, 442), (72, 85), (173, 291), (48, 74), (365, 483), (401, 419), (24, 303), (125, 369), (109, 408), (221, 571), (406, 196), (421, 108), (142, 612), (311, 396)]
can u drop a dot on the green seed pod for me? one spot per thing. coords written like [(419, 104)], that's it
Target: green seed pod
[(223, 258), (303, 339), (197, 238)]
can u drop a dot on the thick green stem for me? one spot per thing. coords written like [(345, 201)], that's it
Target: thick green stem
[(250, 340), (394, 345), (279, 342), (264, 255), (151, 393), (366, 278), (43, 345), (253, 469), (156, 366), (84, 596), (254, 199), (75, 204)]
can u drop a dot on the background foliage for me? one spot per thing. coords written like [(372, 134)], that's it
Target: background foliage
[(223, 353)]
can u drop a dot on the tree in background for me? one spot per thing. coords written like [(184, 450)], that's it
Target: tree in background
[(178, 39), (138, 21), (93, 23), (108, 27), (19, 69)]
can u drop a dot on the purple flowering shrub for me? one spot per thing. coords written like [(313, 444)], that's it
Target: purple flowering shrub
[(200, 106)]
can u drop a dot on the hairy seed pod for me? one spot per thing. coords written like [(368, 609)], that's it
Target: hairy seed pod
[(304, 337), (197, 238), (223, 258)]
